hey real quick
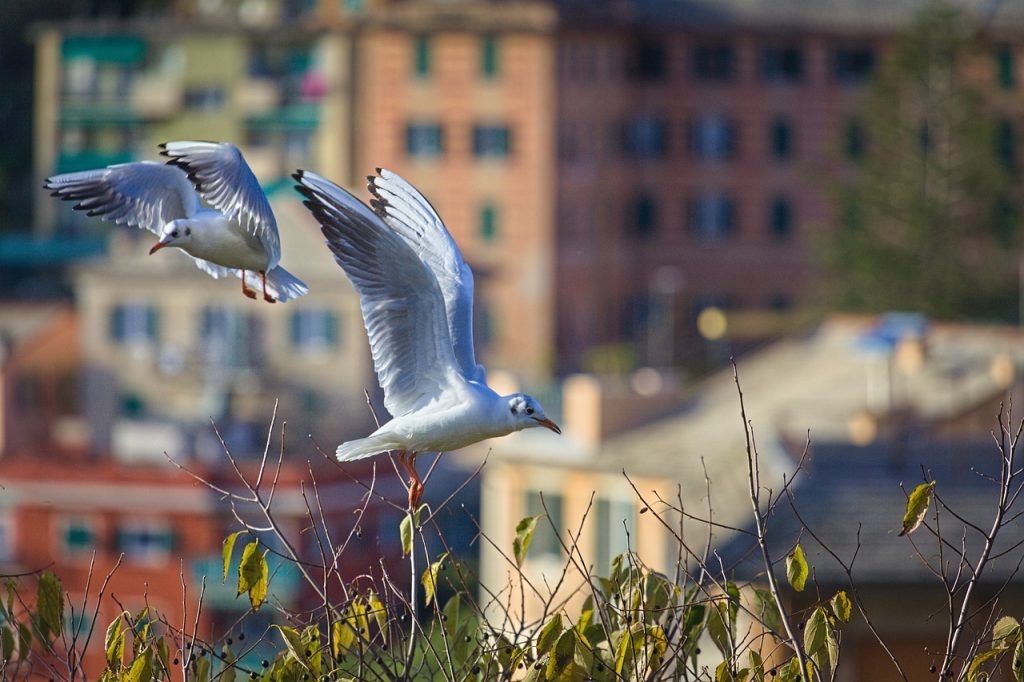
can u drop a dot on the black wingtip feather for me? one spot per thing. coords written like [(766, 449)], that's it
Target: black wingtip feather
[(378, 170)]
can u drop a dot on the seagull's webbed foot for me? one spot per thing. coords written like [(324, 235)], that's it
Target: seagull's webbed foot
[(266, 297), (408, 462), (246, 290)]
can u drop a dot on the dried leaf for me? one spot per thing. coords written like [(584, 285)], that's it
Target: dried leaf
[(917, 507)]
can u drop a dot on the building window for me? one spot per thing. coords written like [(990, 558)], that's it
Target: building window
[(421, 57), (712, 217), (314, 329), (145, 542), (488, 223), (782, 64), (78, 537), (854, 142), (644, 138), (204, 97), (716, 63), (134, 324), (780, 218), (780, 302), (491, 141), (486, 326), (6, 536), (712, 138), (616, 532), (781, 133), (230, 338), (1006, 73), (489, 57), (1006, 144), (644, 216), (648, 60), (545, 539), (852, 64), (424, 140)]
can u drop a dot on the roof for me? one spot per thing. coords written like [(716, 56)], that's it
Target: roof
[(849, 490)]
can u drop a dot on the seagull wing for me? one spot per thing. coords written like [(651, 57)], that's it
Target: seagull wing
[(403, 308), (225, 180), (409, 213), (146, 194)]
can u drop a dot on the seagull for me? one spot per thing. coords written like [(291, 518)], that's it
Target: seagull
[(237, 236), (416, 296)]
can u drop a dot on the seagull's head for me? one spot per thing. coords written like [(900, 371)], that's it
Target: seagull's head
[(526, 413), (175, 233)]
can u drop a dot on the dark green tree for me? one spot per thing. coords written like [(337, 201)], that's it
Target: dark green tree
[(927, 218)]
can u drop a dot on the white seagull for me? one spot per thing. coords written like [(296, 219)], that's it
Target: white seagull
[(237, 236), (416, 295)]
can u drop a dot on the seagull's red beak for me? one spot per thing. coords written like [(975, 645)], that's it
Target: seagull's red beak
[(548, 424), (156, 247)]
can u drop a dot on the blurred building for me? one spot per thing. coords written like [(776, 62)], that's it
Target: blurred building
[(879, 397)]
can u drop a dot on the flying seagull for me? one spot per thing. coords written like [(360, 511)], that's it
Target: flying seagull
[(416, 295), (237, 236)]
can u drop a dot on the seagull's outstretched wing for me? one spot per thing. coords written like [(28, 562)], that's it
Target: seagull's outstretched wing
[(409, 213), (225, 180), (145, 194), (402, 305)]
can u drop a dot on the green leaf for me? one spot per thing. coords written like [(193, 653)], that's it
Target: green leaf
[(524, 536), (718, 628), (50, 603), (549, 635), (141, 669), (252, 574), (917, 507), (6, 644), (227, 550), (832, 647), (380, 614), (342, 638), (429, 578), (768, 610), (723, 673), (814, 637), (976, 663), (24, 640), (796, 569), (1005, 633), (1018, 661), (202, 672), (842, 606), (163, 654), (311, 648), (113, 643), (293, 640), (228, 673), (562, 655), (405, 531), (756, 666)]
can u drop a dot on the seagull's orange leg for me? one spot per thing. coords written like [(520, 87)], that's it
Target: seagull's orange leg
[(415, 483), (246, 290), (266, 297)]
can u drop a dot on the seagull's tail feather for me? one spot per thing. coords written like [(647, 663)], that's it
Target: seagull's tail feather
[(364, 447), (281, 284)]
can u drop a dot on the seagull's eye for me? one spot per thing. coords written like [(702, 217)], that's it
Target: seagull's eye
[(174, 234), (188, 231), (529, 410)]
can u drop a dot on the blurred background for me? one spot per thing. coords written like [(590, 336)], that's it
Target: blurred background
[(829, 192)]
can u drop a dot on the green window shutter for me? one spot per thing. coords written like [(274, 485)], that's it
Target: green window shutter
[(116, 330), (152, 323), (422, 56), (331, 321), (1005, 72), (295, 326), (489, 57), (488, 223)]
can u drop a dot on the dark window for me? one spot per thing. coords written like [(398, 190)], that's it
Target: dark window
[(230, 338), (489, 57), (421, 66), (714, 62), (649, 60), (712, 217), (780, 218), (712, 137), (1006, 143), (488, 223), (1005, 71), (782, 64), (780, 302), (781, 133), (424, 139), (644, 138), (145, 542), (314, 329), (491, 141), (134, 324), (852, 64), (644, 216), (545, 539), (204, 97), (924, 138), (854, 142), (78, 537)]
